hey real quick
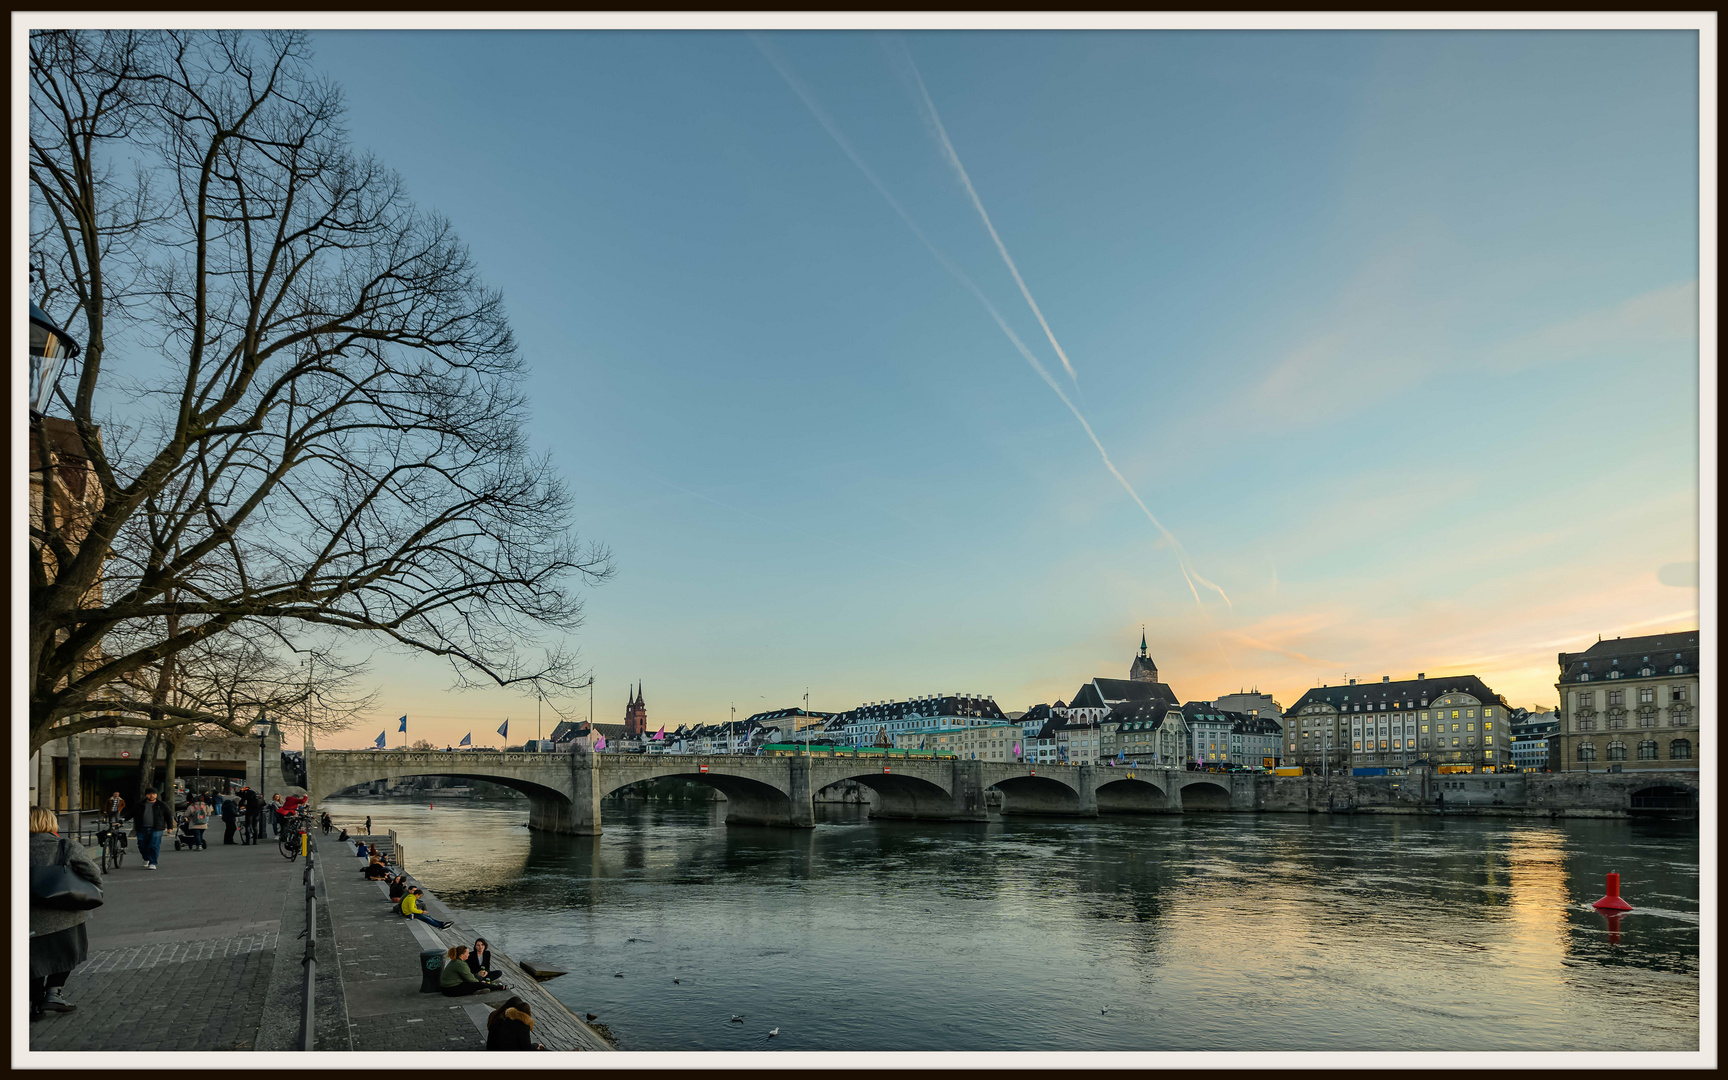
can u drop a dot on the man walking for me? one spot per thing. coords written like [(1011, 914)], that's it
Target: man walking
[(153, 818), (228, 820), (252, 805)]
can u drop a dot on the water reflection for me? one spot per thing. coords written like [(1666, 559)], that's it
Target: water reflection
[(1208, 932)]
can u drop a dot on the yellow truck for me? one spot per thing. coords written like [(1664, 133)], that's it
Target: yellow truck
[(1288, 770)]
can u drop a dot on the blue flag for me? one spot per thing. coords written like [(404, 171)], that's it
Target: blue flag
[(404, 723), (467, 740), (504, 727), (380, 742)]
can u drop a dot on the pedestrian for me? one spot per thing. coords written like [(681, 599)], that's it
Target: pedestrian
[(411, 908), (198, 817), (57, 939), (153, 818), (511, 1027), (481, 963), (368, 824), (116, 806), (456, 980), (230, 815), (276, 814)]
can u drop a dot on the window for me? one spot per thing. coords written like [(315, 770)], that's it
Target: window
[(1584, 723), (1647, 750), (1454, 742), (1586, 751), (1488, 726), (1616, 697), (1424, 729), (1487, 712), (1614, 674), (1454, 716), (1469, 727), (1469, 712), (1680, 750), (1616, 751), (1584, 677), (1679, 669), (1677, 693), (1454, 728), (1358, 745)]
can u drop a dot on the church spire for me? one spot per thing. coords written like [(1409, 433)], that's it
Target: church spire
[(1142, 639)]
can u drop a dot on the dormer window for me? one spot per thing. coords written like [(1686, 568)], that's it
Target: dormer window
[(1614, 674), (1679, 669), (1584, 677)]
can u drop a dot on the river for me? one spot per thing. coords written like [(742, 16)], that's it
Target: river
[(1270, 932)]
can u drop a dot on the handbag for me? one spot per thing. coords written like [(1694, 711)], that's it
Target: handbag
[(59, 887)]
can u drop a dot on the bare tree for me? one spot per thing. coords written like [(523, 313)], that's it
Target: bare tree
[(310, 430)]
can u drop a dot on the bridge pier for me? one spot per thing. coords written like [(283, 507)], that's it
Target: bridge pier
[(803, 810)]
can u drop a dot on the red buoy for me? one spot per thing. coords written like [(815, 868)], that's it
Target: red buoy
[(1612, 901)]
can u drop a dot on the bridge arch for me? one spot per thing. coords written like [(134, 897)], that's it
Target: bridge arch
[(750, 800), (1205, 795), (1039, 796), (1132, 795), (549, 805), (903, 793)]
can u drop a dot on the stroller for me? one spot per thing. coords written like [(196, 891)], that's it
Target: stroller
[(185, 836)]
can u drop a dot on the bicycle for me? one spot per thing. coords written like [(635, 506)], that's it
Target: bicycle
[(113, 841), (251, 828), (293, 829)]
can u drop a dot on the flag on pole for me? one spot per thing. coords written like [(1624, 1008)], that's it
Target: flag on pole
[(661, 734), (467, 740), (1016, 748), (504, 728), (380, 742), (404, 723), (599, 744)]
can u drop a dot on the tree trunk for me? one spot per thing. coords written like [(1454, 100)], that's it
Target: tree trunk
[(146, 766), (173, 740)]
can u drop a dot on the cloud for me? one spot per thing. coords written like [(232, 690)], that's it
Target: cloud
[(1681, 575), (1665, 316)]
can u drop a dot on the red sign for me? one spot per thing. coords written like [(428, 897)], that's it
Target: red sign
[(704, 768), (1031, 772), (884, 769), (125, 753)]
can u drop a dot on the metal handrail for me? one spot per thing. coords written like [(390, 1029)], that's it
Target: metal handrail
[(310, 961)]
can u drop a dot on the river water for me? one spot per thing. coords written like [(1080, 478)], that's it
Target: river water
[(1264, 932)]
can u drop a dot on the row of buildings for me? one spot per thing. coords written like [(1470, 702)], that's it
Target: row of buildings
[(1643, 717)]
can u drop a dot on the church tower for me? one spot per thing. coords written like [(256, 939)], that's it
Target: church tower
[(1144, 670), (635, 715)]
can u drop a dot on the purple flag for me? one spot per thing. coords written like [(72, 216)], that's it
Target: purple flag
[(599, 744)]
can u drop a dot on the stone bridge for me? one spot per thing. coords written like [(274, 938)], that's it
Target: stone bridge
[(564, 790)]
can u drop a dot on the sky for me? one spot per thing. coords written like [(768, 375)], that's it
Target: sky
[(1386, 343)]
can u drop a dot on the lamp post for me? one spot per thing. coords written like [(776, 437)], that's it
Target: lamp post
[(262, 729), (197, 767), (50, 348)]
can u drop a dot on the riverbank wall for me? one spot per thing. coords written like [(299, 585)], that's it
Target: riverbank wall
[(1538, 795), (379, 955)]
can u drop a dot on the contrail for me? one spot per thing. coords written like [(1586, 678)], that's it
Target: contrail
[(1189, 573), (934, 119)]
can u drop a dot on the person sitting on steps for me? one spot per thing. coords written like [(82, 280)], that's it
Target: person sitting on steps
[(511, 1027), (376, 870), (411, 908), (457, 980)]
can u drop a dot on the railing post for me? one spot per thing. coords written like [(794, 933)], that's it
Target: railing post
[(310, 961)]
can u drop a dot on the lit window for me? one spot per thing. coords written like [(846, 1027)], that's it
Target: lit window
[(1454, 716)]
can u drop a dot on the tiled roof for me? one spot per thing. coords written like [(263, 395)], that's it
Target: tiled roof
[(947, 705), (1659, 651), (1405, 694)]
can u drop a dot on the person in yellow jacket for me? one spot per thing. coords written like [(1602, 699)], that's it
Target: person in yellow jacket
[(412, 909)]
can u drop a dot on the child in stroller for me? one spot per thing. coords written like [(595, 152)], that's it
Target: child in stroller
[(187, 837)]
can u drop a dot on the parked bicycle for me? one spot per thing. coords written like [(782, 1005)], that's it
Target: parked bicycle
[(293, 828), (112, 838)]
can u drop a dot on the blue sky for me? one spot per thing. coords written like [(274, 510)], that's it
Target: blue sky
[(1395, 333)]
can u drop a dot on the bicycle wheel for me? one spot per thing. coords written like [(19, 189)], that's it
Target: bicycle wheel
[(119, 853), (290, 846)]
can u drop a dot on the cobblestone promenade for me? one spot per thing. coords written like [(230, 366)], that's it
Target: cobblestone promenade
[(181, 958)]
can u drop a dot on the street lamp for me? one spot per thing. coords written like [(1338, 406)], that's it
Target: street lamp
[(261, 729), (198, 767), (50, 348)]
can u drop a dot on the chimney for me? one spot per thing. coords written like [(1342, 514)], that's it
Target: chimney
[(1385, 678), (1352, 682), (1421, 675)]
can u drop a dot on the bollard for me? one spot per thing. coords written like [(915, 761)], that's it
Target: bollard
[(1612, 901)]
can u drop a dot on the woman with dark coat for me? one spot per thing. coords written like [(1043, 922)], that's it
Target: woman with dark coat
[(481, 962), (57, 939), (511, 1027)]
